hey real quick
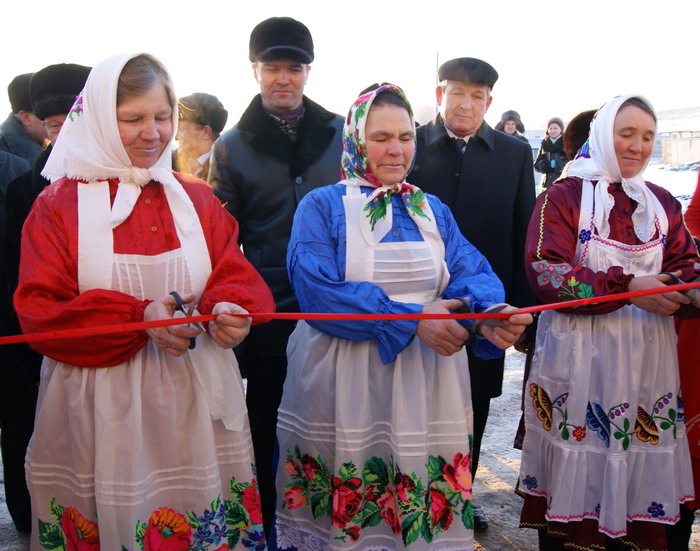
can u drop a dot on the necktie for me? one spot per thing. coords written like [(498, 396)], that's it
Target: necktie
[(461, 145)]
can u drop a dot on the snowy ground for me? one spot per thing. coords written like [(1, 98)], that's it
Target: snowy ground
[(679, 180)]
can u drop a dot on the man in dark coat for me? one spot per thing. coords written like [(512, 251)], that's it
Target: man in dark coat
[(22, 133), (486, 179), (53, 91), (284, 146)]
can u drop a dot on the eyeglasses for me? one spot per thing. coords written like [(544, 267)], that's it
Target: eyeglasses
[(53, 126)]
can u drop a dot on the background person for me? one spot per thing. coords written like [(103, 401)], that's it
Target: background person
[(490, 190), (603, 415), (22, 133), (137, 438), (375, 420), (53, 90), (511, 124), (202, 118), (284, 146), (551, 157), (688, 338)]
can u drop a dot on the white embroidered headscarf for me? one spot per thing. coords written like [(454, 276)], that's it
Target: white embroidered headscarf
[(90, 149), (597, 160)]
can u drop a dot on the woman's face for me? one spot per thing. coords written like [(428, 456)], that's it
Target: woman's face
[(509, 127), (145, 126), (389, 134), (554, 130), (633, 133)]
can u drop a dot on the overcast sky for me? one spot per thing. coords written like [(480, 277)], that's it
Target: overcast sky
[(555, 58)]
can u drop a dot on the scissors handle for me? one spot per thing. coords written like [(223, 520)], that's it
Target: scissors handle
[(181, 308)]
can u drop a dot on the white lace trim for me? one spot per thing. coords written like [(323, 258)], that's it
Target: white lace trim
[(294, 537)]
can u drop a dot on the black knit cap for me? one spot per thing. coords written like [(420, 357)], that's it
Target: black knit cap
[(203, 109), (18, 92), (281, 38), (468, 69), (54, 88)]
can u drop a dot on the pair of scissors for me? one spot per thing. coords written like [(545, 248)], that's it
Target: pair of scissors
[(188, 312)]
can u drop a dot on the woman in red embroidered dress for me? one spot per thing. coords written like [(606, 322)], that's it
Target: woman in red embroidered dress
[(605, 458), (140, 442)]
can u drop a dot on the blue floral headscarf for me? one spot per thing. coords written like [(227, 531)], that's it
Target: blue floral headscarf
[(354, 160)]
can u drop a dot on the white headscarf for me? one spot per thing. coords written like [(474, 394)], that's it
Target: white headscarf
[(91, 150), (597, 160)]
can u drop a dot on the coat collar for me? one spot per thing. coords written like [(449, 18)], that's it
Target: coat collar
[(314, 136), (435, 131)]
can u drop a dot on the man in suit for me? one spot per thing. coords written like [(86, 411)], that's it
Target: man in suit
[(284, 146), (202, 117), (486, 179)]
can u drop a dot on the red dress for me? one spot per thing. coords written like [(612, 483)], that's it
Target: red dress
[(134, 448), (688, 339)]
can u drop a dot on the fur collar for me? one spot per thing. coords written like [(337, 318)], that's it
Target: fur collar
[(315, 135)]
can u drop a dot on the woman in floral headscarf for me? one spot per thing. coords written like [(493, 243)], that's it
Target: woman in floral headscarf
[(141, 438), (605, 459), (375, 421)]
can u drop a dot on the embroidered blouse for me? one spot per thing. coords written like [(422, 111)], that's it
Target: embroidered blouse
[(47, 297), (316, 265), (553, 234)]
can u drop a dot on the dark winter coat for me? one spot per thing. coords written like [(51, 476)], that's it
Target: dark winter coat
[(491, 192), (14, 139), (550, 151), (261, 174)]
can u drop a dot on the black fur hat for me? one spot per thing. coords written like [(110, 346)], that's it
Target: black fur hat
[(468, 69), (281, 38), (514, 116), (577, 132), (54, 88), (18, 92), (203, 109)]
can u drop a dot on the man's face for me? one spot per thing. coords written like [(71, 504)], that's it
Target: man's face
[(53, 125), (194, 139), (463, 106), (281, 82), (33, 126)]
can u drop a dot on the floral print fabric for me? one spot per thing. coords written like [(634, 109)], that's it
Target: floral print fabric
[(226, 524), (415, 506)]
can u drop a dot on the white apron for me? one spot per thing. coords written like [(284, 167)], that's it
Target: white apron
[(605, 438), (149, 449), (356, 435)]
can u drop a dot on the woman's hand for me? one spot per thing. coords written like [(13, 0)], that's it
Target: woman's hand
[(175, 339), (506, 336), (444, 336), (664, 304), (227, 329)]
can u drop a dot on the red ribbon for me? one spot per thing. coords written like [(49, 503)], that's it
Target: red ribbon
[(142, 325)]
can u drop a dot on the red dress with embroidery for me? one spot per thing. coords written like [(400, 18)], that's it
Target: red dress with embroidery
[(593, 408), (133, 448)]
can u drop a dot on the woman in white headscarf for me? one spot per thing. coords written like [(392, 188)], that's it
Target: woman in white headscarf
[(605, 460), (141, 439)]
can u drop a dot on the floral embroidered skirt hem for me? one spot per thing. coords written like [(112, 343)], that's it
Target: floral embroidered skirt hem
[(128, 458), (377, 456), (605, 447)]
